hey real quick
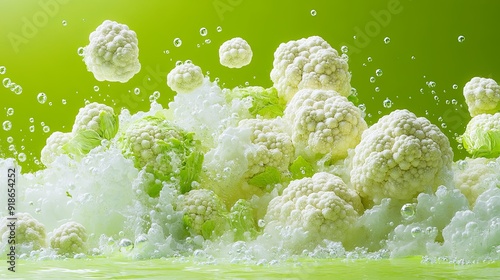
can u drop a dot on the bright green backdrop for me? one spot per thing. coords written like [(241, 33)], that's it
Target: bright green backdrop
[(40, 53)]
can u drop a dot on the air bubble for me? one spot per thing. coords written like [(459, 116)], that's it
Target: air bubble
[(461, 38), (313, 13), (126, 244), (3, 69), (377, 89), (17, 89), (80, 51), (387, 40), (261, 223), (32, 128), (63, 101), (7, 125), (344, 49), (10, 139), (10, 111), (46, 129), (372, 80), (96, 88), (219, 29), (370, 59), (362, 107), (32, 120), (379, 72), (156, 94), (137, 91), (64, 23), (41, 97), (21, 157), (455, 86), (412, 57), (408, 211), (416, 231), (208, 41), (387, 103), (6, 82), (203, 31), (177, 42)]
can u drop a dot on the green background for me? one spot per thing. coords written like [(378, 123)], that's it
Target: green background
[(40, 53)]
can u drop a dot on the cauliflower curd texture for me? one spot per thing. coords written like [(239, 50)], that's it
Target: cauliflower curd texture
[(482, 96), (235, 53), (112, 53)]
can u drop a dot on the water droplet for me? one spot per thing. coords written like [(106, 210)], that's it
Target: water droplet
[(96, 88), (387, 103), (454, 102), (416, 231), (32, 120), (80, 51), (21, 157), (362, 107), (32, 128), (166, 51), (408, 211), (208, 41), (137, 91), (17, 89), (370, 59), (3, 69), (6, 82), (140, 240), (46, 129), (460, 146), (203, 31), (41, 97), (443, 125), (313, 13), (156, 94), (372, 80), (377, 89), (455, 86), (219, 29), (431, 84), (63, 101), (10, 111), (461, 38), (412, 57), (344, 49), (261, 223), (387, 40), (126, 245), (10, 139), (177, 42), (7, 125), (379, 72)]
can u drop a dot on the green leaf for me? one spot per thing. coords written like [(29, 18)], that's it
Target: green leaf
[(482, 143), (301, 168), (191, 170), (108, 125), (265, 102), (270, 176), (241, 219), (82, 143), (68, 194), (354, 99), (208, 228)]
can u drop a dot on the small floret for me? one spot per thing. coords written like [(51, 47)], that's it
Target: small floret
[(28, 231), (309, 63), (323, 122), (482, 136), (164, 150), (265, 102), (474, 176), (482, 96), (235, 53), (70, 238), (54, 147), (185, 77), (112, 54), (399, 157)]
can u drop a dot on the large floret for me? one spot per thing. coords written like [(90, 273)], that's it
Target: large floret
[(482, 136), (323, 122), (70, 238), (309, 63), (54, 146), (482, 96), (235, 53), (474, 176), (321, 207), (399, 157), (112, 54), (27, 231), (185, 77), (164, 150)]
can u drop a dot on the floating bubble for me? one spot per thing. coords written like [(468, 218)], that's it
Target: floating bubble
[(80, 51), (412, 57), (344, 49), (3, 69), (21, 157), (137, 91), (379, 72), (96, 88), (32, 120), (208, 41), (408, 211), (219, 29), (140, 241), (32, 128), (455, 86), (370, 59), (126, 244), (166, 51), (372, 80), (387, 103), (461, 38), (177, 42), (41, 97), (416, 231), (10, 111), (7, 125), (431, 84), (362, 107), (203, 31), (377, 89), (313, 13), (6, 82), (64, 23), (10, 139), (156, 94), (46, 129), (387, 40), (261, 223), (63, 101)]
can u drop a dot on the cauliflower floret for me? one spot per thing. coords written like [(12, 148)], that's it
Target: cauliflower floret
[(54, 147), (70, 238), (112, 54), (399, 157), (323, 122), (204, 212), (482, 136), (97, 117), (235, 53), (474, 176), (164, 150), (482, 96), (185, 77), (309, 63), (321, 206), (27, 231)]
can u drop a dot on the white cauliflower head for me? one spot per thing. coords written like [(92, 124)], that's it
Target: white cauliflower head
[(97, 117), (53, 147), (28, 231), (203, 210), (321, 205), (309, 63), (112, 54), (482, 136), (482, 96), (399, 157), (235, 53), (70, 238), (323, 122), (474, 176), (185, 77)]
